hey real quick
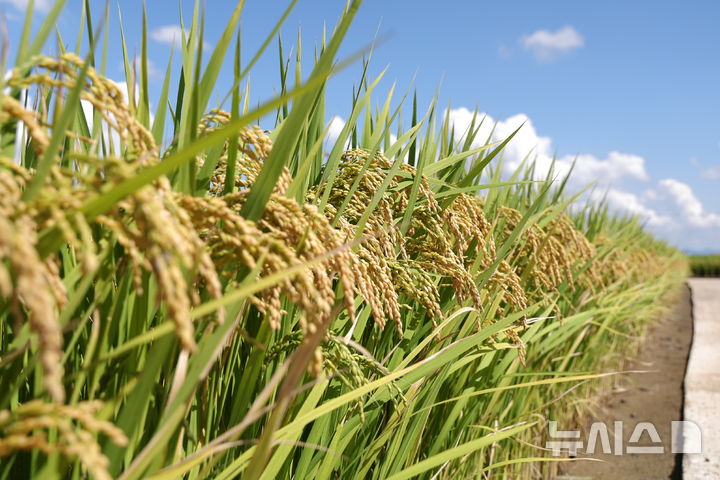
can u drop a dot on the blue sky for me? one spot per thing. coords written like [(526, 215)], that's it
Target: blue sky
[(631, 88)]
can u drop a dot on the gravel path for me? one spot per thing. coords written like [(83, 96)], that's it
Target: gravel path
[(702, 381)]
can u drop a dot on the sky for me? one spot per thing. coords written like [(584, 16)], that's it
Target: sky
[(629, 89)]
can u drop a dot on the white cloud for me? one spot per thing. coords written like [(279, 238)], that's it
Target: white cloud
[(690, 206), (461, 118), (611, 169), (172, 35), (336, 126), (546, 45), (40, 5), (632, 204), (606, 172), (525, 142), (692, 227)]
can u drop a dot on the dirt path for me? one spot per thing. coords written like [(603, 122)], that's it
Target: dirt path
[(655, 397)]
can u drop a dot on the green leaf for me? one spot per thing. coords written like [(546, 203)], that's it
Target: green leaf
[(456, 452)]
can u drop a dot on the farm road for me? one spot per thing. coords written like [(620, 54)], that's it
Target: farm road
[(655, 397), (702, 381)]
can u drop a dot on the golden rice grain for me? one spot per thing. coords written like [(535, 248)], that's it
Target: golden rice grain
[(77, 427)]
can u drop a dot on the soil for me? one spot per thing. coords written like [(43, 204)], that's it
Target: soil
[(655, 397)]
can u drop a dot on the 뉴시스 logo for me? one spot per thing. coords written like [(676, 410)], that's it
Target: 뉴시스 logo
[(686, 439)]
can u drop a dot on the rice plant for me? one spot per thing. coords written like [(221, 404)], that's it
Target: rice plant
[(705, 265), (190, 295)]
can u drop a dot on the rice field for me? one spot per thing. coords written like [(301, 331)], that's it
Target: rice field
[(705, 265), (187, 294)]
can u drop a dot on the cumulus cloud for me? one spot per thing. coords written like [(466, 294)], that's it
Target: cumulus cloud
[(546, 45), (690, 206), (611, 169), (171, 35), (336, 126), (40, 5), (691, 226), (460, 120), (632, 204), (525, 142), (606, 172)]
